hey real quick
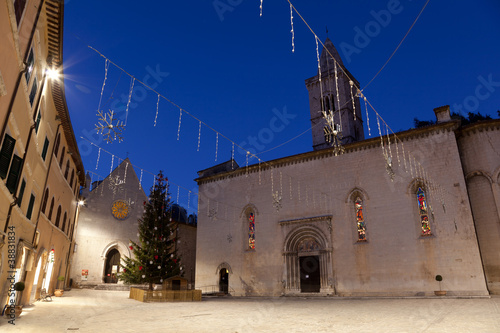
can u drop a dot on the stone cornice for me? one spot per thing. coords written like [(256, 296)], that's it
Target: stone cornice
[(329, 152), (480, 126), (307, 219)]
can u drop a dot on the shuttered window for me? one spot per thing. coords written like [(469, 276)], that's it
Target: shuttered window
[(15, 170), (6, 155), (30, 207), (34, 89), (19, 9), (21, 193), (45, 148), (37, 123)]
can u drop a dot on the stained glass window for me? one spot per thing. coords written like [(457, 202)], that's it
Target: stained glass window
[(251, 231), (360, 220), (422, 209)]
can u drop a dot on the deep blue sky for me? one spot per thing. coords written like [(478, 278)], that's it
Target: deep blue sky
[(232, 68)]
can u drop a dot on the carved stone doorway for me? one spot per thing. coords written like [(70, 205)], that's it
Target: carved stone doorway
[(308, 256)]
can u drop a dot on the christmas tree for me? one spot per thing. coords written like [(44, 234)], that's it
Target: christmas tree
[(155, 256)]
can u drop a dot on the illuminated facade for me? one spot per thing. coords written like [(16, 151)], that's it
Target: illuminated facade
[(40, 166)]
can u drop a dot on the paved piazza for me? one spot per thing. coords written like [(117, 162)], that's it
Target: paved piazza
[(112, 311)]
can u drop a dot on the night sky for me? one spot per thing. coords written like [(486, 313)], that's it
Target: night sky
[(235, 71)]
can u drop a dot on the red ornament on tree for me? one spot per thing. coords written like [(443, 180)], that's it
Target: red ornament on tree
[(131, 247), (156, 257), (140, 268), (175, 260)]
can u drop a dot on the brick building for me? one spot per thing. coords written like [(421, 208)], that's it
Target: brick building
[(365, 222)]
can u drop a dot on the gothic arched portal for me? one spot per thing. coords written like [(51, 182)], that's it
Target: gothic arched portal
[(308, 267)]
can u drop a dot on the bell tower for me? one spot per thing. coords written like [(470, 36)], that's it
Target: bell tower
[(333, 95)]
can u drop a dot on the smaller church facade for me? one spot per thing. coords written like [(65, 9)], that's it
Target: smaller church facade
[(107, 223), (109, 220), (381, 217)]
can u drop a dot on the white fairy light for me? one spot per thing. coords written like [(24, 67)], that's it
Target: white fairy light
[(261, 1), (178, 191), (189, 198), (290, 178), (272, 181), (140, 180), (129, 98), (106, 67), (232, 158), (293, 32), (319, 73), (260, 178), (351, 83), (199, 137), (397, 152), (248, 153), (112, 160), (388, 139), (179, 128), (157, 105), (125, 176), (216, 145), (338, 96), (281, 184), (381, 137), (98, 157), (367, 117), (404, 156)]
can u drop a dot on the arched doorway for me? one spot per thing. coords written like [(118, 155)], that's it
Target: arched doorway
[(224, 280), (307, 261), (112, 266)]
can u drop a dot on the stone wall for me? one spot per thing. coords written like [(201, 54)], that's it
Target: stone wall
[(481, 160), (317, 190)]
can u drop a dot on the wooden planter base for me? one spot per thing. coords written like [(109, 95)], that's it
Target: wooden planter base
[(440, 292)]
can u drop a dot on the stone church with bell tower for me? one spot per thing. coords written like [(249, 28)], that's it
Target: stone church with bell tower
[(361, 220)]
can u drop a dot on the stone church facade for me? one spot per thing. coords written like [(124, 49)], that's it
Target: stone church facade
[(109, 220), (107, 223), (351, 224)]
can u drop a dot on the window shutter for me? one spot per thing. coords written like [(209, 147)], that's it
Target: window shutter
[(6, 154), (15, 169), (30, 207), (38, 118), (45, 148), (34, 89), (21, 193)]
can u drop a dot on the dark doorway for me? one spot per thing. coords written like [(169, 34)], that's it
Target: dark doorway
[(223, 281), (309, 274), (112, 266), (176, 284)]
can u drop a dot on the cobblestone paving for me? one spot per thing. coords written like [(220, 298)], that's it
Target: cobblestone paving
[(112, 311)]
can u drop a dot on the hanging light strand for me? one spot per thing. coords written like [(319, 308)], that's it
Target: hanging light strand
[(157, 106), (106, 67), (129, 98), (292, 31)]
